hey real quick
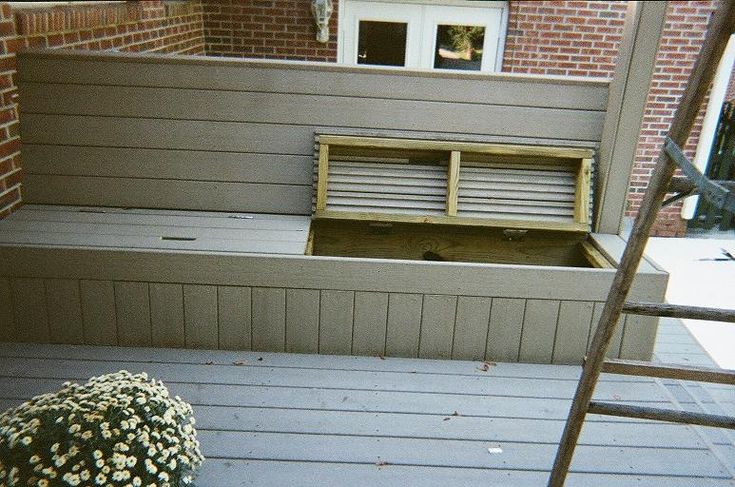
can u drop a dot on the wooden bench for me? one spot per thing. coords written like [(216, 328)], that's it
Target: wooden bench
[(162, 150)]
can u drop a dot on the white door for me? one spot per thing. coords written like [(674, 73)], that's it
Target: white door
[(462, 36)]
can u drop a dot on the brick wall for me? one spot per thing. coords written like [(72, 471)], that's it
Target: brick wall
[(277, 29), (153, 26)]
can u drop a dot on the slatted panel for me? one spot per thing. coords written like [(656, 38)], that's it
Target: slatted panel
[(510, 192), (236, 135), (98, 312), (385, 187), (167, 315), (31, 318), (64, 309)]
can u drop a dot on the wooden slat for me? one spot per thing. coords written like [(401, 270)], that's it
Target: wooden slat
[(437, 326), (686, 417), (167, 315), (125, 162), (234, 312), (302, 320), (64, 307), (582, 195), (269, 319), (572, 332), (680, 311), (404, 324), (506, 325), (322, 177), (680, 372), (157, 193), (335, 322), (133, 314), (31, 319), (471, 328), (98, 312), (312, 110), (453, 183), (200, 316), (371, 321), (539, 329), (313, 78)]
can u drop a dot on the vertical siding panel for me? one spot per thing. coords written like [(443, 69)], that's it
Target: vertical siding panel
[(639, 335), (7, 319), (200, 316), (64, 307), (571, 340), (167, 315), (371, 315), (613, 350), (335, 322), (98, 312), (234, 318), (29, 301), (269, 319), (133, 314), (506, 324), (470, 331), (404, 324), (302, 320), (539, 328), (437, 326)]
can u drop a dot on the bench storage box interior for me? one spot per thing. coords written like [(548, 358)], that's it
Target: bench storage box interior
[(188, 215)]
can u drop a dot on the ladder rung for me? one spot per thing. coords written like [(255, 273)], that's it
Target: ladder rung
[(642, 412), (665, 371), (680, 311)]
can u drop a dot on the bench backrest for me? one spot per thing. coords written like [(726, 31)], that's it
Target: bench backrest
[(131, 130)]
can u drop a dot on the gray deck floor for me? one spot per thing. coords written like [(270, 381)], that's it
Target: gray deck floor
[(303, 420)]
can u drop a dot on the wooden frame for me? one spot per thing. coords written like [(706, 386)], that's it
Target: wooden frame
[(456, 150)]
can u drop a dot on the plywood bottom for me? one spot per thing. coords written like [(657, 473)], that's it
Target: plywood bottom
[(452, 244)]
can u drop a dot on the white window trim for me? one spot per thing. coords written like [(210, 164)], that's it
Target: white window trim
[(502, 32)]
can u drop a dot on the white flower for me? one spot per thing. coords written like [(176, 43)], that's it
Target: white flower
[(34, 459), (100, 479), (26, 440), (97, 454)]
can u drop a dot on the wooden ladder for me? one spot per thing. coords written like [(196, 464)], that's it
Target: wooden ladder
[(722, 24)]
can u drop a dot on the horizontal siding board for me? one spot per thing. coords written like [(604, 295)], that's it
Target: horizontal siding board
[(31, 318), (302, 320), (235, 315), (336, 316), (312, 110), (64, 306), (380, 275), (126, 162), (167, 315), (200, 316), (269, 319), (133, 314), (98, 312), (155, 193), (167, 134), (154, 217), (320, 79)]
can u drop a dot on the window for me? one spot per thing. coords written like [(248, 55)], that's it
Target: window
[(460, 36)]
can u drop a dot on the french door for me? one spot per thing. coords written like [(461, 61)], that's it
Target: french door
[(461, 36)]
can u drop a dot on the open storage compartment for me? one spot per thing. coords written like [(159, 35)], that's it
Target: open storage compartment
[(453, 201)]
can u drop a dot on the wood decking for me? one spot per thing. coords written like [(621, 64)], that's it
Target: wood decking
[(285, 419)]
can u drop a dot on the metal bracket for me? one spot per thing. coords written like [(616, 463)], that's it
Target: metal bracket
[(713, 192)]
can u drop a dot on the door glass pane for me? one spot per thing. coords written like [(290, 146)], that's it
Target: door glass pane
[(382, 43), (459, 47)]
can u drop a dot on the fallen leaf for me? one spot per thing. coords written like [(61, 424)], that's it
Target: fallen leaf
[(490, 364), (446, 419), (455, 413), (381, 357), (240, 362), (381, 463), (208, 363), (483, 368), (260, 359)]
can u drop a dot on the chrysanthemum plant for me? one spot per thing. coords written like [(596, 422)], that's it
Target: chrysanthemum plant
[(117, 429)]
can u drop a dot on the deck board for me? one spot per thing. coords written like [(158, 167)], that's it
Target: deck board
[(329, 420)]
